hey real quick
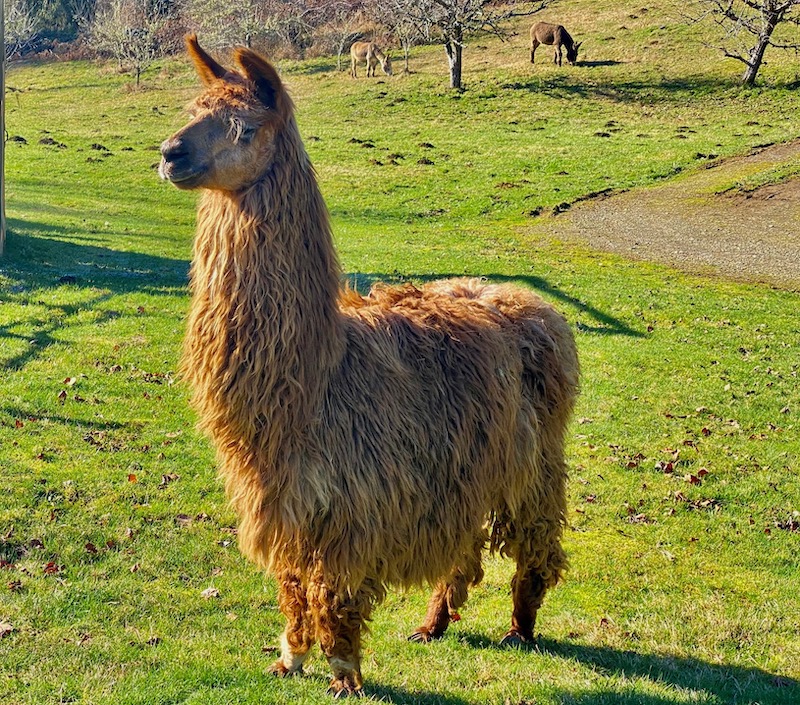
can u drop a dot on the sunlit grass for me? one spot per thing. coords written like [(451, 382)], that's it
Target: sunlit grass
[(684, 450)]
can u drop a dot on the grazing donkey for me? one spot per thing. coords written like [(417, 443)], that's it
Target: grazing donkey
[(370, 53), (554, 34)]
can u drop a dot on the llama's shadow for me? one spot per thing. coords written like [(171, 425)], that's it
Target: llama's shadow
[(603, 323), (397, 696), (725, 682)]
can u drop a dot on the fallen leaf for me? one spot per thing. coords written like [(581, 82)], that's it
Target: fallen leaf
[(132, 477), (90, 548), (5, 629), (208, 593), (70, 381)]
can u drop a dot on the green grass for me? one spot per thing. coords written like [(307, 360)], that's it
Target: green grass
[(113, 523), (749, 183)]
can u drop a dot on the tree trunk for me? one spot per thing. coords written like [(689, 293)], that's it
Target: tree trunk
[(454, 49), (2, 132), (753, 63)]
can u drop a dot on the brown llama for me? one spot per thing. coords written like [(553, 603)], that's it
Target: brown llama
[(554, 35), (365, 441), (371, 54)]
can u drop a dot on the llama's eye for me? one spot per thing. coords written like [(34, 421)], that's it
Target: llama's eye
[(248, 132)]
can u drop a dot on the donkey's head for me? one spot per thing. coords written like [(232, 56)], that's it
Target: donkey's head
[(229, 141), (386, 65), (572, 52)]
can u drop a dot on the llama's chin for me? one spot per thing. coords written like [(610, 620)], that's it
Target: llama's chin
[(181, 179)]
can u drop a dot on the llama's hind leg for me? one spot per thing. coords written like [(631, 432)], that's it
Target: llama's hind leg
[(448, 596), (298, 636), (540, 563)]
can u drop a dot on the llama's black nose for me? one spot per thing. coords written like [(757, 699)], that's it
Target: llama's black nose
[(173, 150)]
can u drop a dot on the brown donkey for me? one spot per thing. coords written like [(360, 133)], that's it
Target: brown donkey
[(365, 441), (554, 35), (370, 53)]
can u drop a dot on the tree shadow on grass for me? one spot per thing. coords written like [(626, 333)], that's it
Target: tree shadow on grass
[(55, 259), (36, 263), (718, 681), (604, 323), (597, 64), (633, 91)]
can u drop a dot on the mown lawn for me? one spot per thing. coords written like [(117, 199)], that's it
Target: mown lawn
[(684, 497)]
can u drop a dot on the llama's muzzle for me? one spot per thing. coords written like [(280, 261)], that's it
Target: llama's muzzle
[(176, 163)]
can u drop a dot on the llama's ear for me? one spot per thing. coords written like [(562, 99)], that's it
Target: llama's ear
[(269, 86), (208, 69)]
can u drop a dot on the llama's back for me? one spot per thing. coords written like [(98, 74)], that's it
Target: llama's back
[(438, 419)]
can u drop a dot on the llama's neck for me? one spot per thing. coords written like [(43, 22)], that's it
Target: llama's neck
[(264, 329)]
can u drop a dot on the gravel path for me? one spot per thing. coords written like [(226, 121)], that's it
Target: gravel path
[(751, 237)]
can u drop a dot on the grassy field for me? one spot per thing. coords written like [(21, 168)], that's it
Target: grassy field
[(684, 494)]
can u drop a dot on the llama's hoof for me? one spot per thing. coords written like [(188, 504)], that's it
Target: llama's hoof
[(422, 636), (346, 686), (279, 669), (514, 640)]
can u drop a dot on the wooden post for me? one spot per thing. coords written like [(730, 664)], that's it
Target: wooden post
[(2, 130)]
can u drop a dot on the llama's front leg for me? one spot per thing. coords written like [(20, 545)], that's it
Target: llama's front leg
[(298, 637), (340, 619)]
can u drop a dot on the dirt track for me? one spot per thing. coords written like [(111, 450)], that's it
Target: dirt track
[(751, 237)]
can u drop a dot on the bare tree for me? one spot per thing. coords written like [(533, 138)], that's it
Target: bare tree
[(340, 22), (454, 20), (749, 27), (128, 31), (22, 23), (407, 29), (228, 23)]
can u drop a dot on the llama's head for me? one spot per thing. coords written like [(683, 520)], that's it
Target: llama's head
[(229, 141), (386, 65), (572, 52)]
